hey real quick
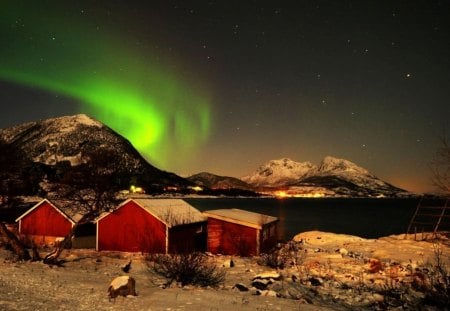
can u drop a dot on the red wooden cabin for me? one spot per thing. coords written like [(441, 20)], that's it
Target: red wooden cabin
[(239, 232), (44, 222), (152, 226)]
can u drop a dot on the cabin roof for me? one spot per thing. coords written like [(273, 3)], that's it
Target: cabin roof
[(70, 208), (246, 218), (172, 212), (62, 211)]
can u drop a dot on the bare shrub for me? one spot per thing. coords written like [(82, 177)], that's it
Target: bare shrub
[(438, 273), (194, 269), (375, 265), (440, 166)]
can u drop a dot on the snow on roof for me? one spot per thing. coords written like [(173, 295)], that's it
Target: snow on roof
[(246, 218), (172, 212)]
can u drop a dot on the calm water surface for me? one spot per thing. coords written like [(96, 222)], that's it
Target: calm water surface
[(369, 218)]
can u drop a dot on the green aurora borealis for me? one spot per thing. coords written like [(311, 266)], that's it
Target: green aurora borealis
[(133, 91)]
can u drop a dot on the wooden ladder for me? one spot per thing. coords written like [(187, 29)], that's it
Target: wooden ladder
[(429, 217)]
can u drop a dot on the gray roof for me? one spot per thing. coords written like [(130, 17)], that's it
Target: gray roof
[(246, 218), (172, 212)]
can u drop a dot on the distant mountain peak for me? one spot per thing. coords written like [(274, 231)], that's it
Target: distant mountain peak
[(52, 144), (336, 176), (78, 119), (278, 172), (333, 164), (213, 181)]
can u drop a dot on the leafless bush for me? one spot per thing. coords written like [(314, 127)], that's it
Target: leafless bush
[(438, 273), (194, 269)]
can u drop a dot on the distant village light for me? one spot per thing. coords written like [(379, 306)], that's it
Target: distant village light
[(197, 188), (134, 189), (281, 194)]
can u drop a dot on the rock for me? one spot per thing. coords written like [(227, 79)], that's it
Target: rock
[(343, 251), (229, 263), (269, 293), (283, 293), (316, 281), (122, 286), (255, 292), (294, 293), (261, 284), (268, 275), (278, 287), (241, 287), (354, 255), (377, 297)]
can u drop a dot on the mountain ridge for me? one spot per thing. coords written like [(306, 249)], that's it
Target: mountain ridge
[(332, 177), (212, 181), (55, 143), (52, 145)]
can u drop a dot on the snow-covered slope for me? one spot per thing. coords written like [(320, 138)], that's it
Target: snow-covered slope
[(218, 182), (53, 144), (278, 173), (338, 176)]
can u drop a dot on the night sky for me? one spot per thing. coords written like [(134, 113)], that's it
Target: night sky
[(224, 86)]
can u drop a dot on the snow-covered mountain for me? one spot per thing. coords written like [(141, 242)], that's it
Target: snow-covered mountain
[(49, 146), (278, 173), (333, 176), (219, 182)]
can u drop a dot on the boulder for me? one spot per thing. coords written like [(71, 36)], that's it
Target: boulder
[(261, 284), (268, 275), (241, 287), (229, 263), (343, 252), (122, 286)]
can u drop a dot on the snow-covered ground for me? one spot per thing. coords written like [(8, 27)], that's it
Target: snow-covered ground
[(335, 272), (83, 282)]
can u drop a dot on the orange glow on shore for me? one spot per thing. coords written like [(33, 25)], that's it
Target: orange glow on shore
[(281, 194), (286, 194)]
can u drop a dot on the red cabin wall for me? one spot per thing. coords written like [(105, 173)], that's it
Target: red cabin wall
[(231, 239), (131, 229), (45, 220)]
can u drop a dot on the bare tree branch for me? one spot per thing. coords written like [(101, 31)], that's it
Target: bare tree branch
[(440, 166)]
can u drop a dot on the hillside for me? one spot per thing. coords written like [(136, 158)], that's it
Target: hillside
[(333, 177), (50, 147), (212, 181)]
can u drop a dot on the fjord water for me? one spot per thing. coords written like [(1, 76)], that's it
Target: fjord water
[(368, 218)]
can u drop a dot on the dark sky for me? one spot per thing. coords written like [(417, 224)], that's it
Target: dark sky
[(367, 81)]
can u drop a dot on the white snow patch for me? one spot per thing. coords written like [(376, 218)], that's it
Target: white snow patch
[(278, 172), (120, 281)]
